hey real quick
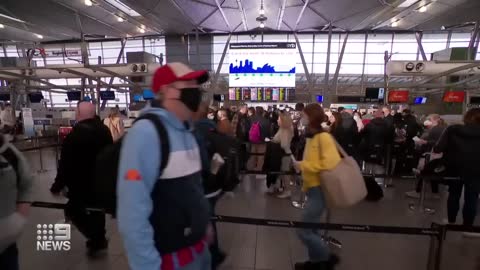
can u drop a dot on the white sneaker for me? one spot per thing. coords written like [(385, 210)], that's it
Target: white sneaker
[(471, 235), (412, 194), (284, 195)]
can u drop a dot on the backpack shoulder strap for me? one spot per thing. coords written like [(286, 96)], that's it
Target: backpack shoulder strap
[(12, 159), (163, 135)]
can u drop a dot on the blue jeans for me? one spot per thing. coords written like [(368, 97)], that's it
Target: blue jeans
[(317, 248), (9, 258), (202, 262)]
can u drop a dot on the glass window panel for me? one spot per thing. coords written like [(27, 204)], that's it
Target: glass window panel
[(375, 58), (460, 40), (379, 43), (404, 56), (374, 69), (12, 51), (319, 68), (352, 58), (351, 69)]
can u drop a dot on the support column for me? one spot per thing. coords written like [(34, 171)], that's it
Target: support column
[(339, 64), (200, 52), (364, 59), (307, 74), (327, 66), (419, 36), (176, 47), (219, 67)]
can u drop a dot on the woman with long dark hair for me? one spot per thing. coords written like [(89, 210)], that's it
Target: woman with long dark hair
[(320, 154)]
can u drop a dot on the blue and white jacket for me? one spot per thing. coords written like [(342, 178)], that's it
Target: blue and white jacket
[(159, 215)]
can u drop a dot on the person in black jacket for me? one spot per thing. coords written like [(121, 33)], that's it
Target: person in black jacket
[(460, 145), (349, 132), (77, 171), (374, 139)]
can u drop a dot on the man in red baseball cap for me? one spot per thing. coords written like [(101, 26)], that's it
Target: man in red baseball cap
[(162, 213)]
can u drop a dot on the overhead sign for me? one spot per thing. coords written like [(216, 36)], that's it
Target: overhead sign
[(398, 96), (454, 96), (414, 67), (42, 52)]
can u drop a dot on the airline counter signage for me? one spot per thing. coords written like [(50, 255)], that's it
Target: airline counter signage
[(398, 96), (454, 96)]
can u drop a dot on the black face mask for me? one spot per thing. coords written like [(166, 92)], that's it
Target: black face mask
[(191, 97)]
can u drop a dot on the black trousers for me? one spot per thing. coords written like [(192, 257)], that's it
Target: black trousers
[(470, 204), (90, 223), (9, 258), (214, 248)]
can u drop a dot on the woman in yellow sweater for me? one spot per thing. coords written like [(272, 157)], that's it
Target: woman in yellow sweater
[(320, 154)]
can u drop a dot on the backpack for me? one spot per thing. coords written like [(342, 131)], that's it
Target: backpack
[(400, 135), (12, 160), (105, 187), (255, 134), (230, 150)]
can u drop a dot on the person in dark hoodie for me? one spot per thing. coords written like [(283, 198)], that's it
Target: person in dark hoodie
[(77, 171), (349, 132), (15, 195), (212, 188), (374, 138), (460, 145)]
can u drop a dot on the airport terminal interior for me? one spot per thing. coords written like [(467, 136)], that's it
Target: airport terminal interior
[(362, 61)]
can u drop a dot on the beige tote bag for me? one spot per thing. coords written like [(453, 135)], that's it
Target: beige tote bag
[(344, 185)]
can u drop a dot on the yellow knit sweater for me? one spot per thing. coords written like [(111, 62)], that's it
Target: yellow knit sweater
[(320, 154)]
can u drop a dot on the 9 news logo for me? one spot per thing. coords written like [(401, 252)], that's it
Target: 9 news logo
[(53, 237)]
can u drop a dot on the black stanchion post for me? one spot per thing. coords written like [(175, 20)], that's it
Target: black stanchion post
[(439, 251)]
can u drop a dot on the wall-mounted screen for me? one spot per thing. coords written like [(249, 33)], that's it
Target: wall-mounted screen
[(282, 95), (238, 93), (475, 100), (137, 98), (351, 99), (420, 100), (262, 64), (319, 98), (107, 95), (218, 97), (35, 97), (253, 94), (268, 94), (290, 94), (454, 96), (398, 96), (4, 97), (275, 94), (231, 94), (246, 94), (74, 95), (374, 94)]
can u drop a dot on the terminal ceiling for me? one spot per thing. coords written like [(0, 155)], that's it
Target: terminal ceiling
[(68, 19)]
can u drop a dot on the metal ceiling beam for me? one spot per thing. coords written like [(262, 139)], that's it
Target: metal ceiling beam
[(418, 37), (472, 41), (219, 6), (300, 15), (244, 16), (339, 63), (179, 8), (318, 12), (206, 18), (203, 3), (30, 78), (82, 75), (280, 15)]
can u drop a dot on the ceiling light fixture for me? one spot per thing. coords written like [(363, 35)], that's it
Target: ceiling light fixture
[(124, 8), (262, 11), (120, 19), (39, 36), (142, 26), (141, 30), (395, 24), (262, 25), (2, 26), (11, 18), (88, 3), (423, 9)]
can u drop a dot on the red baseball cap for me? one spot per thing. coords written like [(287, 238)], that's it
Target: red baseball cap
[(174, 72)]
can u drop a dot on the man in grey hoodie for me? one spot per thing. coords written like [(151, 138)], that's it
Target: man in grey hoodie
[(15, 198)]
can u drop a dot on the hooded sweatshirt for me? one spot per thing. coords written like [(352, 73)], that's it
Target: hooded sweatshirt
[(160, 214), (460, 145), (13, 189)]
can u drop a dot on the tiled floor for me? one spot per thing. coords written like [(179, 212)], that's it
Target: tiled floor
[(256, 247)]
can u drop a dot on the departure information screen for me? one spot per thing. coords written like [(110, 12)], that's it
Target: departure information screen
[(262, 64), (261, 94)]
